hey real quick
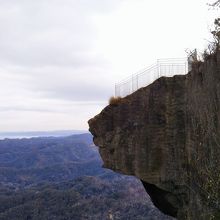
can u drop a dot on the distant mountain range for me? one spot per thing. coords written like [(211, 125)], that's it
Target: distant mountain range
[(61, 178), (24, 162), (29, 134)]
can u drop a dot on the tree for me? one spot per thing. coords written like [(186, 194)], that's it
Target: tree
[(216, 4), (214, 45), (216, 31)]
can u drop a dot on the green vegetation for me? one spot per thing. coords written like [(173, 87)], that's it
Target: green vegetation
[(62, 179), (85, 198)]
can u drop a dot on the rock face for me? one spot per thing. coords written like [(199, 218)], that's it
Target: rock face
[(167, 135)]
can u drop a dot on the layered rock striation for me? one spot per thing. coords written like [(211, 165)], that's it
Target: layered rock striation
[(167, 135)]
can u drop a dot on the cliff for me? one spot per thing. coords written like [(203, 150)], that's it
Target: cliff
[(167, 135)]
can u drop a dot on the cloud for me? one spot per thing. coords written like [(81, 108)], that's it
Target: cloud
[(50, 46), (51, 74), (45, 32), (60, 59), (27, 114)]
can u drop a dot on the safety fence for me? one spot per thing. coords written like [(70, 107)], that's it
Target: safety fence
[(163, 67)]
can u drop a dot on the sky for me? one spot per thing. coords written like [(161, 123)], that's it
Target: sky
[(59, 60)]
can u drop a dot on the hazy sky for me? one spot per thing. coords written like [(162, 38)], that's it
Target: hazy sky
[(59, 59)]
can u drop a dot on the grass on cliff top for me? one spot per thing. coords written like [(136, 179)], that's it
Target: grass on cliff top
[(115, 100)]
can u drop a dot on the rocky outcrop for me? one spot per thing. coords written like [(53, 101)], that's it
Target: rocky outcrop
[(167, 135)]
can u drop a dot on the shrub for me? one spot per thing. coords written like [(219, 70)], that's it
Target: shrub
[(115, 100)]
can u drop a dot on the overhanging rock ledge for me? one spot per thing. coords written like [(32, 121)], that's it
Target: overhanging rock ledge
[(161, 133)]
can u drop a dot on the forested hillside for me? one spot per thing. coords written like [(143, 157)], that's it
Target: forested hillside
[(62, 178)]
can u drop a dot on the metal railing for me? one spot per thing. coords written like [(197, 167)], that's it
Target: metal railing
[(163, 67)]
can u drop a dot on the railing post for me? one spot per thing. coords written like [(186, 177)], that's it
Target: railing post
[(172, 69), (158, 68), (115, 90), (132, 83)]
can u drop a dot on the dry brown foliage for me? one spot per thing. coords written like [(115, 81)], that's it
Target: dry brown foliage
[(115, 100)]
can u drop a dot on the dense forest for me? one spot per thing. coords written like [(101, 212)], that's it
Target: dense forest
[(62, 178)]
